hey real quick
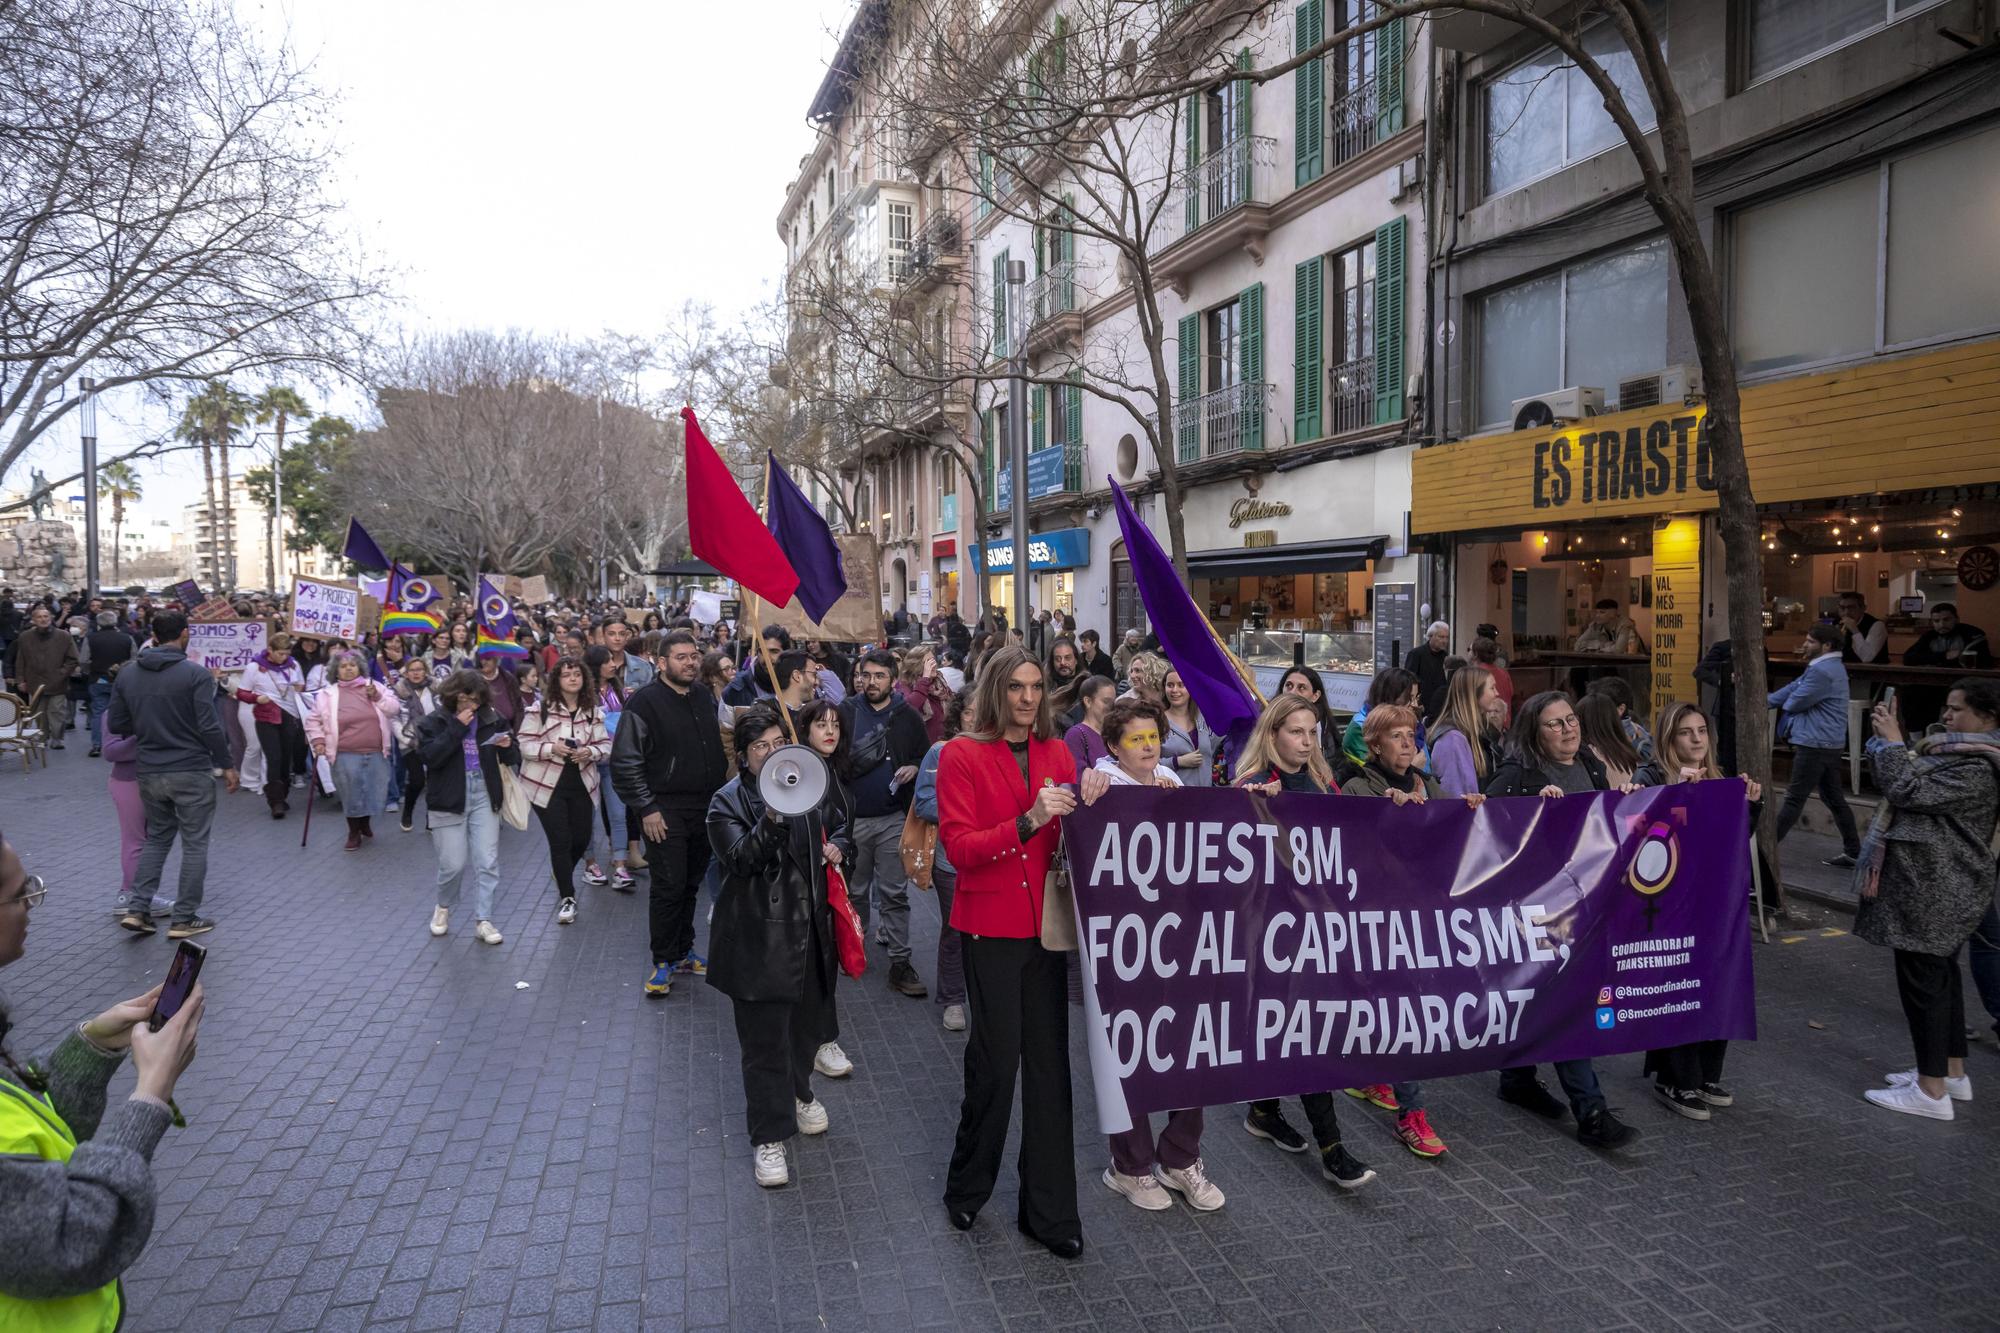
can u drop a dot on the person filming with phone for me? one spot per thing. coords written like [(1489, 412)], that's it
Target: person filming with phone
[(76, 1179)]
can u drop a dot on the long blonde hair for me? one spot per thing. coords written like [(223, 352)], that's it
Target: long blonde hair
[(986, 707), (1461, 713), (1663, 742), (1151, 668), (1260, 754)]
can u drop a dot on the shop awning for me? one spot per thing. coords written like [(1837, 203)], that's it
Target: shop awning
[(1337, 557), (690, 568)]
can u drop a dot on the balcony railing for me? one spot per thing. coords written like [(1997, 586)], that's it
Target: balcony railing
[(1226, 421), (939, 244), (1242, 171), (1353, 121), (1053, 292), (1350, 395)]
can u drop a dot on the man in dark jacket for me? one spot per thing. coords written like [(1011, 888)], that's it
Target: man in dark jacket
[(43, 659), (886, 742), (168, 702), (106, 650), (666, 765), (1426, 663), (1095, 660)]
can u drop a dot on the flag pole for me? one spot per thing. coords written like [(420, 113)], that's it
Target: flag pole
[(764, 644)]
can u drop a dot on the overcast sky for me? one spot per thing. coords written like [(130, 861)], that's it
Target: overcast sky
[(567, 168)]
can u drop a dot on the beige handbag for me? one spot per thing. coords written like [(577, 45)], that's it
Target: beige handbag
[(514, 803), (918, 846), (1058, 908)]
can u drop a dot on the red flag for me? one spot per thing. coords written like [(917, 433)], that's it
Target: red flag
[(724, 529)]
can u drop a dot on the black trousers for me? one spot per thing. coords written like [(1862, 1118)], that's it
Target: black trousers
[(675, 865), (1817, 768), (413, 781), (1933, 997), (1688, 1067), (284, 746), (1016, 991), (1319, 1113), (566, 824), (778, 1039)]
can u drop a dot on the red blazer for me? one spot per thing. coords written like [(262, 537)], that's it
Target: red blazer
[(980, 794)]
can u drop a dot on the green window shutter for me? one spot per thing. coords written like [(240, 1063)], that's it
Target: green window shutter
[(1037, 430), (1309, 95), (1042, 235), (1389, 247), (1035, 86), (1308, 373), (985, 182), (1389, 57), (1240, 90), (1059, 50), (987, 459), (1066, 251), (1073, 413), (1188, 426), (1000, 304), (1193, 161), (1250, 366)]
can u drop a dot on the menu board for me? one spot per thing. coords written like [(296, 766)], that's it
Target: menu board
[(1676, 611), (1395, 623)]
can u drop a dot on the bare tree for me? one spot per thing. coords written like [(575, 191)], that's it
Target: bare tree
[(496, 453), (164, 213)]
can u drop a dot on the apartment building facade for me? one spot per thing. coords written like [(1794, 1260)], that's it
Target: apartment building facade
[(1847, 182)]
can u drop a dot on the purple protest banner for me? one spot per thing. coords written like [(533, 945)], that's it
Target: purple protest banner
[(1240, 946)]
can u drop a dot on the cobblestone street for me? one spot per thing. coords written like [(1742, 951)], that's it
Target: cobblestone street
[(387, 1132)]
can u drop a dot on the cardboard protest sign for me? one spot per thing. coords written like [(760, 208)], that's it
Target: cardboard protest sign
[(215, 608), (534, 590), (325, 610), (852, 619), (226, 644), (188, 593)]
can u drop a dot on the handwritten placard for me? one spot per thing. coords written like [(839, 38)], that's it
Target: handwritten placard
[(534, 589), (325, 610), (228, 645)]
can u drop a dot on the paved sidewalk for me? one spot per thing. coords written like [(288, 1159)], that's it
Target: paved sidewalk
[(386, 1133)]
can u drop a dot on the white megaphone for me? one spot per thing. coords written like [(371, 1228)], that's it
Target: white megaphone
[(793, 780)]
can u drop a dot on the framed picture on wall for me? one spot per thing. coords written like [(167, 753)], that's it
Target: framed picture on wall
[(1847, 576)]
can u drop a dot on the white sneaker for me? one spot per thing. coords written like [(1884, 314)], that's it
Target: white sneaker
[(1958, 1089), (811, 1116), (1911, 1100), (1191, 1183), (566, 913), (771, 1169), (1141, 1191), (831, 1061), (440, 920), (487, 933), (954, 1018)]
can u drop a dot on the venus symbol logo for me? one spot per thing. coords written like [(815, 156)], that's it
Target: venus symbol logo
[(1653, 867)]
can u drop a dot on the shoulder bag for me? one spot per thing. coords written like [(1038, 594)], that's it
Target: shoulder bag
[(919, 848), (1058, 907), (514, 803)]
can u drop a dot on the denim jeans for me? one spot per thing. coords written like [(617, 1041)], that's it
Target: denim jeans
[(180, 804), (615, 841), (468, 844), (100, 700), (362, 779), (1985, 950), (1578, 1079), (878, 864)]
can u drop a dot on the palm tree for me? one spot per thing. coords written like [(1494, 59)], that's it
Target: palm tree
[(275, 406), (211, 419), (118, 483)]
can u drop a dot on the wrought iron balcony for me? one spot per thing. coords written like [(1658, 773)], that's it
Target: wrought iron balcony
[(1350, 395), (1219, 205), (1354, 121), (1225, 421)]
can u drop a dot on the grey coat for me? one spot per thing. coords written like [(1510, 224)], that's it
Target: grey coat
[(1937, 855)]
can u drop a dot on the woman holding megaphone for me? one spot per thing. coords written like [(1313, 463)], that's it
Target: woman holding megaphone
[(771, 943)]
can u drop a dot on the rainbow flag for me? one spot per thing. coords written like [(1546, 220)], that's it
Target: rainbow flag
[(410, 622), (403, 610), (494, 635)]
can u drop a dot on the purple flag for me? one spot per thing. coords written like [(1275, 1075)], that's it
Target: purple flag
[(361, 548), (1237, 946), (806, 541), (1227, 704)]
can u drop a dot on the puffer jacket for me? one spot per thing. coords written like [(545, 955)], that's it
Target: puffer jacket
[(771, 915)]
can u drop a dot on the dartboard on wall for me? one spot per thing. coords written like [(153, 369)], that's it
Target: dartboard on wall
[(1979, 568)]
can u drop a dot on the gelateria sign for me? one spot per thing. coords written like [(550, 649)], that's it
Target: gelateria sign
[(1248, 510)]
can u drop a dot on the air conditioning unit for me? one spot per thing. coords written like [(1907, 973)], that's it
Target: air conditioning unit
[(1670, 384), (1546, 409)]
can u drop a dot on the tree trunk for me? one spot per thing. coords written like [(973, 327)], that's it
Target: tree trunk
[(276, 526), (117, 525), (208, 490)]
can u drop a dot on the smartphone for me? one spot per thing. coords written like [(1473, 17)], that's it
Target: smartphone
[(1889, 698), (181, 974)]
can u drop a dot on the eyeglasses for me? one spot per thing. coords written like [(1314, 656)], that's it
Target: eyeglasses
[(1135, 739), (32, 891), (1568, 723), (766, 747)]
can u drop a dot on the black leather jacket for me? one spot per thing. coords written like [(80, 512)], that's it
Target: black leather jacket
[(1522, 777), (771, 914)]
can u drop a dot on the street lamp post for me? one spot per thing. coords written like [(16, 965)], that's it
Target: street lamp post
[(86, 415), (1017, 432)]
